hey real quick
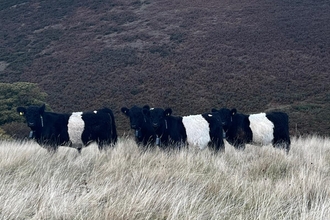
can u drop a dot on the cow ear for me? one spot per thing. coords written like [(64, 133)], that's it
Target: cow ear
[(168, 112), (233, 111), (147, 107), (214, 110), (21, 110), (42, 109), (125, 110)]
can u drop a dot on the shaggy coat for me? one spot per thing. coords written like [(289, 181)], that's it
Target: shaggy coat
[(195, 130), (263, 128), (77, 129), (144, 132)]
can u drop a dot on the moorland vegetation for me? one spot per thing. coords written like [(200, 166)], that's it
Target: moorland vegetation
[(191, 56), (127, 183)]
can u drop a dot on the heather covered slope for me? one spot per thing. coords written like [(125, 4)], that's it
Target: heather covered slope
[(188, 55)]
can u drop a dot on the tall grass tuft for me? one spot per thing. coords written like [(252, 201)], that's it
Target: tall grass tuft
[(126, 182)]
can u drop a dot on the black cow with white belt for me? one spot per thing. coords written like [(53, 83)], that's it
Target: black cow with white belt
[(203, 130), (263, 128), (76, 130)]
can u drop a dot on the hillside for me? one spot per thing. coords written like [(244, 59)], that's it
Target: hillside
[(189, 55)]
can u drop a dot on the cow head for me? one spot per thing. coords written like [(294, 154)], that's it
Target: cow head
[(136, 116), (33, 115), (158, 116), (226, 115), (213, 117)]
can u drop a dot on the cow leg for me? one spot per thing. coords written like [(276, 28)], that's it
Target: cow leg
[(286, 147), (288, 143), (239, 145), (179, 145), (282, 145), (218, 145), (52, 149), (282, 142), (102, 144), (103, 141)]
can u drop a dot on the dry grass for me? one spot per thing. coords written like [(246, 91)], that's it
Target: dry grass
[(126, 183)]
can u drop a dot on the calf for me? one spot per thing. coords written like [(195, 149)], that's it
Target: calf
[(144, 133), (170, 131), (200, 130), (262, 128), (75, 130)]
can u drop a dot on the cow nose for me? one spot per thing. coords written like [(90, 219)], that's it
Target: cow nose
[(30, 124), (155, 125), (133, 126)]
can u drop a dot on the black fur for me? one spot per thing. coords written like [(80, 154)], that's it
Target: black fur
[(281, 129), (169, 129), (51, 129), (144, 132), (99, 127), (216, 131), (239, 133)]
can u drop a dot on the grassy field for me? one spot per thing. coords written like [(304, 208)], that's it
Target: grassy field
[(126, 183)]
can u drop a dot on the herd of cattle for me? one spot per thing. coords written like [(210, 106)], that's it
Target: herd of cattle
[(157, 127)]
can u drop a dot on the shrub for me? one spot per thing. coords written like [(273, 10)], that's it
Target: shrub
[(18, 94)]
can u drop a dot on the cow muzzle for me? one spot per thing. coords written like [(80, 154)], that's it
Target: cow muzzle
[(31, 124)]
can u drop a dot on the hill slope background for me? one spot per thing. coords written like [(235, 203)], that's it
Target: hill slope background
[(189, 55)]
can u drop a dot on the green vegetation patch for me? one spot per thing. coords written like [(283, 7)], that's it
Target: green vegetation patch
[(18, 94)]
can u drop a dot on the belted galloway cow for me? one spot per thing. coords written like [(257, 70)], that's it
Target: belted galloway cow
[(263, 128), (203, 130), (76, 130)]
